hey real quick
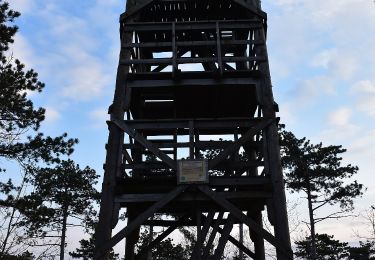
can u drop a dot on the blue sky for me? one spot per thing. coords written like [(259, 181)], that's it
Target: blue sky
[(322, 59)]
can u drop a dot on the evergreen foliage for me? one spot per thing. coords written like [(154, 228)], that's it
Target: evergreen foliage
[(327, 248), (317, 171), (60, 194), (21, 140)]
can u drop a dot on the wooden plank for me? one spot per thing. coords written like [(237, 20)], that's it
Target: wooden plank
[(190, 26), (218, 49), (223, 165), (174, 51), (207, 82), (220, 200), (192, 197), (148, 145), (224, 238), (216, 226), (207, 223), (191, 139), (182, 60), (236, 145), (139, 220), (190, 43)]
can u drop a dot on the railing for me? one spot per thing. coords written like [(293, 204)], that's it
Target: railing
[(216, 45)]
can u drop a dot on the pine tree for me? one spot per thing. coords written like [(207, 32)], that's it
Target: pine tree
[(327, 248), (365, 251), (317, 171), (21, 140), (64, 197)]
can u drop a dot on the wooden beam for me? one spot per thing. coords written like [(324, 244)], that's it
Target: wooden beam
[(215, 228), (231, 239), (207, 223), (163, 235), (236, 145), (230, 195), (224, 237), (220, 200), (147, 144), (138, 221)]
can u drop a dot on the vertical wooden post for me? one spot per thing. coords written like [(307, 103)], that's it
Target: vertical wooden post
[(218, 46), (174, 50), (191, 139), (108, 213), (241, 240), (273, 153)]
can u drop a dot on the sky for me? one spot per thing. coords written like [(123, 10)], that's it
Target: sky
[(322, 60)]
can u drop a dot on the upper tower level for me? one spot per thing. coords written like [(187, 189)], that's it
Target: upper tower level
[(180, 48)]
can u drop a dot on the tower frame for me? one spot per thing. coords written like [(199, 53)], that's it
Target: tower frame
[(163, 112)]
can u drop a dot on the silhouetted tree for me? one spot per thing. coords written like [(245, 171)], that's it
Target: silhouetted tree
[(20, 138), (316, 170), (327, 248), (365, 251), (60, 194), (165, 250), (87, 249)]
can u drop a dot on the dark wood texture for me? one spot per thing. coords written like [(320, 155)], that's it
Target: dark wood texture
[(193, 82)]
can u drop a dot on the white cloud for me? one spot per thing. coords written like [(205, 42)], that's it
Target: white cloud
[(21, 49), (99, 116), (365, 96), (308, 90), (340, 117), (364, 87), (52, 115), (86, 81), (23, 6)]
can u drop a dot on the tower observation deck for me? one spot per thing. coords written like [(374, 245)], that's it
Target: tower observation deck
[(193, 130)]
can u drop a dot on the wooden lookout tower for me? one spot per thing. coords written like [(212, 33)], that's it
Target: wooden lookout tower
[(193, 131)]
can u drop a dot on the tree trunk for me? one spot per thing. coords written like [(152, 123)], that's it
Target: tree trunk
[(10, 224), (312, 221), (63, 232)]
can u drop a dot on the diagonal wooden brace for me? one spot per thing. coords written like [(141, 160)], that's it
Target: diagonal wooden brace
[(237, 144), (143, 141), (139, 220), (162, 236), (248, 221)]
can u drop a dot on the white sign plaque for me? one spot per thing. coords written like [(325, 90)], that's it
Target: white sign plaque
[(192, 171)]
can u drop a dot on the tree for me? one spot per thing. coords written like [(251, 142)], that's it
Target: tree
[(60, 194), (87, 249), (165, 250), (17, 113), (326, 248), (365, 251), (20, 138), (317, 171)]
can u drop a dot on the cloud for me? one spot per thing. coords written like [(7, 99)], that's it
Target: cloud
[(364, 87), (73, 55), (85, 81), (365, 96), (22, 6), (307, 91), (99, 116), (340, 117), (52, 115)]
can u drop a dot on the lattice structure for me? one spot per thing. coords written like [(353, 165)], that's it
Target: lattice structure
[(193, 131)]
